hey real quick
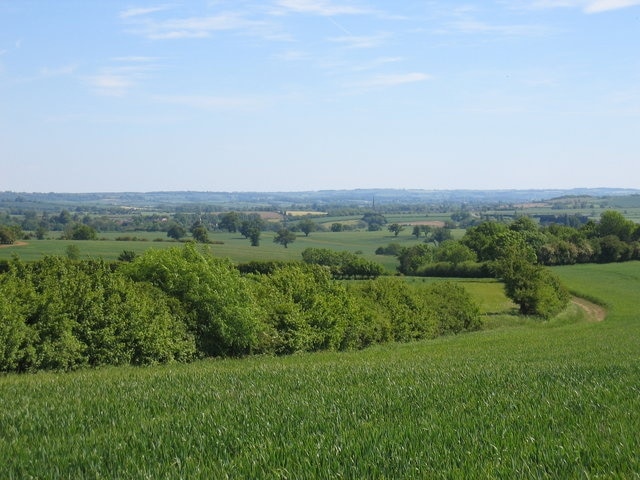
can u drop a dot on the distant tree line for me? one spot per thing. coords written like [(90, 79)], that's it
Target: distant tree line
[(517, 253)]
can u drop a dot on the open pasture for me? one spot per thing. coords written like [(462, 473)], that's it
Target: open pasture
[(229, 245), (557, 399)]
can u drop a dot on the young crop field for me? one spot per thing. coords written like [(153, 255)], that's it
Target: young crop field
[(227, 245), (523, 399)]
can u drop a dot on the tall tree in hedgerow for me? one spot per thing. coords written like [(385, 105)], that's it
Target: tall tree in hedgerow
[(534, 288)]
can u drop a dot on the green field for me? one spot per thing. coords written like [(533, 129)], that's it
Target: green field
[(228, 245), (525, 399)]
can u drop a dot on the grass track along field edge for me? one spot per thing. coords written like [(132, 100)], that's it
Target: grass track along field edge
[(593, 311)]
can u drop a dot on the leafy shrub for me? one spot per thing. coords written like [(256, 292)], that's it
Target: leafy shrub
[(305, 310), (343, 265), (396, 308), (461, 270), (220, 309), (264, 267), (454, 308), (61, 314), (390, 249)]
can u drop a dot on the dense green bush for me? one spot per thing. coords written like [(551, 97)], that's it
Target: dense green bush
[(264, 267), (344, 264), (454, 308), (395, 311), (216, 298), (390, 249), (305, 310), (60, 314), (180, 303), (460, 270), (534, 288), (398, 311)]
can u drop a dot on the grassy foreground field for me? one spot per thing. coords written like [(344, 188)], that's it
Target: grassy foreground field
[(553, 400)]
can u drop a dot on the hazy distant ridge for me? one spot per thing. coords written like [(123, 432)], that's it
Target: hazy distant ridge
[(357, 196)]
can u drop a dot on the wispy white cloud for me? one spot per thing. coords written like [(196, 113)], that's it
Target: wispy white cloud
[(291, 55), (320, 7), (212, 102), (588, 6), (606, 5), (354, 41), (110, 84), (135, 59), (392, 80), (124, 74), (136, 12), (471, 26), (58, 71), (376, 63), (192, 27)]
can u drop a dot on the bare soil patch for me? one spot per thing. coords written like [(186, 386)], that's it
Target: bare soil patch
[(594, 312), (15, 244)]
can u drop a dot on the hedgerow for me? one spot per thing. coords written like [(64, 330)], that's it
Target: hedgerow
[(182, 303)]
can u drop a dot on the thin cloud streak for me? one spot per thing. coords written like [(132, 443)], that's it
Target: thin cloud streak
[(320, 7), (209, 102), (193, 27), (392, 80), (606, 5), (118, 79), (587, 6), (137, 12), (58, 72), (478, 27), (110, 84), (370, 41)]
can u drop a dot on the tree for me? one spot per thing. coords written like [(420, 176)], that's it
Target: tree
[(374, 221), (416, 231), (482, 239), (127, 256), (64, 217), (611, 249), (412, 258), (41, 232), (200, 233), (524, 224), (532, 287), (230, 221), (439, 235), (176, 231), (307, 226), (79, 231), (614, 223), (72, 252), (248, 226), (454, 252), (395, 228), (337, 227), (7, 235), (254, 236), (284, 237)]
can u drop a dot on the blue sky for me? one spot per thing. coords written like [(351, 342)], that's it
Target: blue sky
[(290, 95)]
